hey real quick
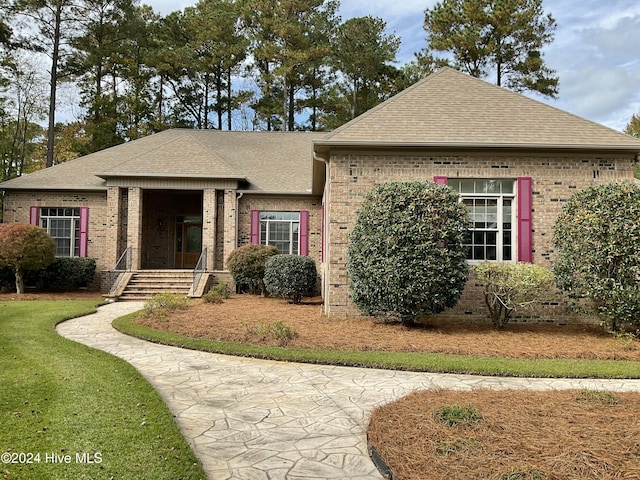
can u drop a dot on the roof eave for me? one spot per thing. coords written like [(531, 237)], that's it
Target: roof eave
[(59, 188), (189, 176), (320, 145)]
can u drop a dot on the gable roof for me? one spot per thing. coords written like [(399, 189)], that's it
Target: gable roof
[(453, 109), (269, 162)]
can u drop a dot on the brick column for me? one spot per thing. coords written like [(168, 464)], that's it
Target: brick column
[(134, 230), (209, 213), (230, 224), (112, 227)]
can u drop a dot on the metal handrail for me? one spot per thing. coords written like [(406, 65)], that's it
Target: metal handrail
[(201, 268), (116, 274)]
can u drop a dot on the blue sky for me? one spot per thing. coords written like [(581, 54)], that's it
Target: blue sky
[(596, 51)]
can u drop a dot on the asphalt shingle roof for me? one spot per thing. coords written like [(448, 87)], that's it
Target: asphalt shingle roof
[(270, 162), (450, 108)]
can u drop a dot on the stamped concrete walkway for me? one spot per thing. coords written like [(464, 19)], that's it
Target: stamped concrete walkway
[(264, 420)]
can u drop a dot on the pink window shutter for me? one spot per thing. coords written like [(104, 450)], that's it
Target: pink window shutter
[(440, 180), (255, 227), (304, 232), (34, 216), (84, 232), (525, 214)]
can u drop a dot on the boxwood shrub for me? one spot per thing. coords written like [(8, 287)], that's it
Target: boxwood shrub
[(290, 276), (246, 264), (64, 274)]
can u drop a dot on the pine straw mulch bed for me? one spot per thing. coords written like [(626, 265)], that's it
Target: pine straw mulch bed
[(246, 318), (522, 435)]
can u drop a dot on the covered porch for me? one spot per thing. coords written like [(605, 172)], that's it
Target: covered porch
[(169, 229)]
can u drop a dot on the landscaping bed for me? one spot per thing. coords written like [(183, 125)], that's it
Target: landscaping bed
[(257, 320)]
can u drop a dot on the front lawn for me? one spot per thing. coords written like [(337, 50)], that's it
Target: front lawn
[(69, 411)]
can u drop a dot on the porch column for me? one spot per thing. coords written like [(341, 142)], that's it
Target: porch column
[(134, 230), (230, 224), (114, 201), (209, 213)]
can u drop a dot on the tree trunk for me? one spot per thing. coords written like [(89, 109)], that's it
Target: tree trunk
[(19, 281), (54, 85)]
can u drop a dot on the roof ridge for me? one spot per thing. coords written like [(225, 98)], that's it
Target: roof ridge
[(231, 166), (128, 160), (543, 104)]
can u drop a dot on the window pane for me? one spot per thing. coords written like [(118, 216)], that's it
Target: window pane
[(281, 230), (63, 225)]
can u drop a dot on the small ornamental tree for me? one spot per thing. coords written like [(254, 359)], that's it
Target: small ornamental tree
[(25, 247), (509, 287), (597, 245), (290, 276), (405, 254), (246, 265)]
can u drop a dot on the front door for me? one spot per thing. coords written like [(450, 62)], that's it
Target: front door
[(188, 240)]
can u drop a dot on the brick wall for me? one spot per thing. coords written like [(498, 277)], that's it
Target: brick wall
[(555, 178), (17, 205), (283, 204)]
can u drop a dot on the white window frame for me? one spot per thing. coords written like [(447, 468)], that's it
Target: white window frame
[(270, 220), (50, 216), (490, 189)]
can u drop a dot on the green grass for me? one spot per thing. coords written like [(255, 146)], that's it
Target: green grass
[(422, 362), (60, 398)]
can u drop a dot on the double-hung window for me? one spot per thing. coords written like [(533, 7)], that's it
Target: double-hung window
[(69, 228), (63, 225), (281, 230), (287, 231), (492, 211)]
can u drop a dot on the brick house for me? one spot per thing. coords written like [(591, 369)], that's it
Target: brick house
[(513, 160)]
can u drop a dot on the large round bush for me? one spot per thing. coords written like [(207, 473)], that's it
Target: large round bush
[(597, 245), (246, 265), (405, 254), (290, 276)]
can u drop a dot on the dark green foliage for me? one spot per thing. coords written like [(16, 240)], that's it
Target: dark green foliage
[(405, 255), (290, 276), (597, 242), (65, 274), (484, 37), (246, 265)]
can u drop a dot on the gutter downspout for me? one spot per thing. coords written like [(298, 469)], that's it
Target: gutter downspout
[(325, 227), (238, 197)]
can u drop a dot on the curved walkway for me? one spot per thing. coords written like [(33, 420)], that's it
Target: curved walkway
[(265, 420)]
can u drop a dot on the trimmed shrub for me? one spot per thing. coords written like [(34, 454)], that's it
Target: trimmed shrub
[(246, 265), (405, 254), (66, 274), (509, 287), (597, 244), (290, 276)]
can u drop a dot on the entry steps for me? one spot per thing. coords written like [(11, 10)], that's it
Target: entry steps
[(144, 284)]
